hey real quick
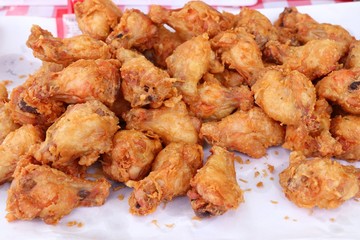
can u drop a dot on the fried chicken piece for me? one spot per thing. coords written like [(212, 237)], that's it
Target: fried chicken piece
[(318, 182), (164, 44), (230, 78), (131, 156), (239, 51), (194, 19), (353, 57), (216, 101), (135, 30), (256, 24), (172, 123), (46, 193), (250, 132), (97, 18), (190, 61), (314, 59), (78, 137), (214, 188), (307, 29), (313, 138), (286, 96), (15, 145), (170, 177), (342, 87), (346, 129), (142, 82), (7, 124), (85, 80), (67, 50)]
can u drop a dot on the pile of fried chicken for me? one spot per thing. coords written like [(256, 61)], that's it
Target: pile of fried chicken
[(140, 94)]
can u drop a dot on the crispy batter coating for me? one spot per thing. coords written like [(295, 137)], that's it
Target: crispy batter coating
[(353, 57), (97, 18), (216, 101), (306, 28), (85, 80), (190, 61), (170, 177), (250, 132), (15, 145), (172, 123), (3, 93), (230, 78), (346, 129), (134, 30), (314, 59), (194, 19), (131, 156), (67, 50), (318, 182), (46, 193), (256, 24), (286, 96), (78, 137), (239, 51), (214, 188), (342, 87), (142, 82), (7, 124), (312, 137)]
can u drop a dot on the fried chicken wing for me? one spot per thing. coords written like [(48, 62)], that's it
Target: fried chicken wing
[(134, 30), (79, 136), (15, 145), (216, 101), (312, 137), (250, 132), (314, 59), (239, 50), (195, 18), (286, 96), (85, 80), (97, 18), (46, 193), (131, 156), (342, 87), (190, 61), (346, 130), (214, 188), (318, 182), (170, 177), (258, 25), (142, 82), (171, 123), (353, 57), (67, 50)]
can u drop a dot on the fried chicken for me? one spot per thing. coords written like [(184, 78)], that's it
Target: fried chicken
[(353, 57)]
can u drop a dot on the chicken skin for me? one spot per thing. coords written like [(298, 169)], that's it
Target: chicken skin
[(194, 19), (342, 87), (347, 129), (239, 50), (79, 136), (170, 177), (258, 25), (286, 96), (190, 61), (15, 145), (67, 50), (314, 59), (46, 193), (250, 132), (142, 82), (131, 156), (97, 18), (135, 30), (214, 188), (318, 182), (170, 123)]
